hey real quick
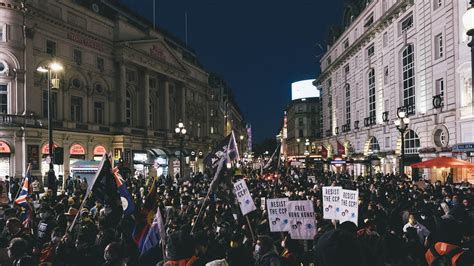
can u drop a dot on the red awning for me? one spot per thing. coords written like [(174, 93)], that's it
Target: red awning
[(443, 162)]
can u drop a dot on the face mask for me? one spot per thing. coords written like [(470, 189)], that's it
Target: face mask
[(283, 244), (55, 239), (107, 256), (257, 249), (423, 217)]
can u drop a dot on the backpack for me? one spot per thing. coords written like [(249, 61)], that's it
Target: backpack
[(446, 259)]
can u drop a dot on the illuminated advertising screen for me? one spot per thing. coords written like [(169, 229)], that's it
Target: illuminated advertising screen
[(303, 89)]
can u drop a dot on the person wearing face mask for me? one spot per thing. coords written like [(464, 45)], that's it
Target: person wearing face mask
[(265, 252), (421, 230), (45, 225)]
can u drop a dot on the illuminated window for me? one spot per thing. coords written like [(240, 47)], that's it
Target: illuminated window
[(408, 70), (371, 82)]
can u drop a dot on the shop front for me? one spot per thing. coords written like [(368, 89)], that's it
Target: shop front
[(160, 157), (141, 163), (99, 152), (5, 158), (76, 152)]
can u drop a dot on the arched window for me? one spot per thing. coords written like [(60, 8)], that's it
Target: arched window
[(128, 108), (408, 70), (371, 82), (348, 104), (374, 146), (412, 142)]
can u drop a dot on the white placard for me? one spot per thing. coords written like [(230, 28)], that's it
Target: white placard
[(278, 215), (243, 197), (262, 203), (301, 218), (331, 202), (349, 206)]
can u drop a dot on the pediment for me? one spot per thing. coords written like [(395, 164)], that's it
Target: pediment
[(158, 50)]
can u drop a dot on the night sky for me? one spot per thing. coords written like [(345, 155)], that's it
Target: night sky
[(258, 46)]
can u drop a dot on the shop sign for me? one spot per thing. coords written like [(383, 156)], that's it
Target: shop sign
[(45, 148), (161, 161), (77, 149), (338, 162), (463, 147), (140, 157), (99, 150), (85, 41), (4, 148)]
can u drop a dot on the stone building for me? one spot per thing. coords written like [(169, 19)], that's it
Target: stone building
[(124, 87), (391, 56)]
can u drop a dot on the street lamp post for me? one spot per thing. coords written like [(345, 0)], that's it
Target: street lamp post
[(402, 125), (52, 83), (298, 144), (468, 21), (180, 130)]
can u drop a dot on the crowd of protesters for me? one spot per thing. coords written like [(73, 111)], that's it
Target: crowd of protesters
[(401, 222)]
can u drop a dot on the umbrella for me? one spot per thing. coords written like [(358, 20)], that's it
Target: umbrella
[(443, 162)]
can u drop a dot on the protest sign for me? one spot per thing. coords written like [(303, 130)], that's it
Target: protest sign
[(243, 197), (301, 219), (278, 215), (349, 206), (331, 196)]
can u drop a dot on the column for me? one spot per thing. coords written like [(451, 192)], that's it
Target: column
[(183, 104), (146, 78), (166, 96), (123, 90)]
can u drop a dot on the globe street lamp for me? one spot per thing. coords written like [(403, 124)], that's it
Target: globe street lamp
[(180, 130), (468, 21), (53, 83), (298, 144), (241, 142), (402, 126)]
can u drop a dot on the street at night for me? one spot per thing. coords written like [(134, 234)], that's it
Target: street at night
[(220, 133)]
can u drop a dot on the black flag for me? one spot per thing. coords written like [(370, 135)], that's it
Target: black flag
[(103, 186), (226, 150)]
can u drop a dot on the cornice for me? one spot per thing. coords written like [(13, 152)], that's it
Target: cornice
[(366, 37)]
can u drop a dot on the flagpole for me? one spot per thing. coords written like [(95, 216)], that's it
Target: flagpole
[(250, 228), (216, 176)]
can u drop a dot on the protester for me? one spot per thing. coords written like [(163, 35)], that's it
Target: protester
[(400, 222)]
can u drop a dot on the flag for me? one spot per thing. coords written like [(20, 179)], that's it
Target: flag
[(22, 198), (226, 149), (155, 234), (125, 197), (103, 185), (272, 162)]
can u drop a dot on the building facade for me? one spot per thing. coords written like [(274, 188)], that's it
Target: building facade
[(124, 88), (302, 128), (392, 56)]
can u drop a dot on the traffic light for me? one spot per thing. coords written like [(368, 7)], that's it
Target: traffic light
[(58, 155)]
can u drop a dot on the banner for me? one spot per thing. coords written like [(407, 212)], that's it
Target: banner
[(331, 202), (349, 206), (301, 219), (243, 197), (278, 215)]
